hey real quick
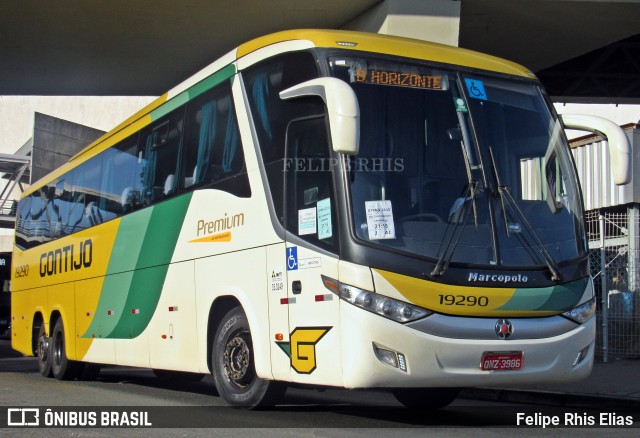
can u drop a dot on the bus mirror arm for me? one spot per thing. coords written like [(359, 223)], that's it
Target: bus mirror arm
[(342, 106), (619, 147)]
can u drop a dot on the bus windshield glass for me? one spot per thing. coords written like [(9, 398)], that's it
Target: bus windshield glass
[(460, 167)]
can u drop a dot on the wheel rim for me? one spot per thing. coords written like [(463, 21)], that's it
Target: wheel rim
[(237, 359), (43, 349)]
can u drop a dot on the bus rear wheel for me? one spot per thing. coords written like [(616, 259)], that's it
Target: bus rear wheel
[(62, 367), (427, 398), (43, 352), (233, 365)]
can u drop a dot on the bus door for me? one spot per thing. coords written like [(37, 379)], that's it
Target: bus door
[(311, 222)]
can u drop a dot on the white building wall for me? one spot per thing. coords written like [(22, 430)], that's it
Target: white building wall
[(17, 115), (100, 112)]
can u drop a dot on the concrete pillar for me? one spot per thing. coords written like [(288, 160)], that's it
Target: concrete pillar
[(430, 20)]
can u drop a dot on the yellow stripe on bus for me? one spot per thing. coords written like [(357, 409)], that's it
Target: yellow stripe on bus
[(69, 274), (390, 45), (452, 299)]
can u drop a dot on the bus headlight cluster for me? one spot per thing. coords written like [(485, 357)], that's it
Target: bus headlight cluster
[(396, 310), (582, 313)]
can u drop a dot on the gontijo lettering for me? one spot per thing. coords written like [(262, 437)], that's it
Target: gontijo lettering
[(66, 259)]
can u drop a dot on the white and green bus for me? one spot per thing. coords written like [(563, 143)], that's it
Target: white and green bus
[(320, 208)]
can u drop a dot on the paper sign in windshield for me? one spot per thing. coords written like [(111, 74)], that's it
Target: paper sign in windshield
[(324, 218), (307, 221), (380, 220)]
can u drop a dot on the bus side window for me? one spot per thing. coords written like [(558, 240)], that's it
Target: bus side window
[(89, 175), (310, 201), (213, 152), (126, 188), (160, 152), (38, 230), (270, 114), (61, 207), (24, 223)]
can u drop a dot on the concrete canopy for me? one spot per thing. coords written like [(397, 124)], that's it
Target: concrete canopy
[(143, 47)]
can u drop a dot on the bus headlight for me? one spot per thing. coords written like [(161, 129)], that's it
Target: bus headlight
[(582, 313), (393, 309)]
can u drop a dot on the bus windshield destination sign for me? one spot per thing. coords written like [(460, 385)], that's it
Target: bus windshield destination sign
[(399, 78)]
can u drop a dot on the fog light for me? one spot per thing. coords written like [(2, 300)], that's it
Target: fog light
[(386, 356), (581, 355), (391, 358)]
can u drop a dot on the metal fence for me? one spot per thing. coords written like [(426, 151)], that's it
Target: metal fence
[(615, 260)]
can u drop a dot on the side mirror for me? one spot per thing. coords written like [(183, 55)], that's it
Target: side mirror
[(342, 106), (619, 147)]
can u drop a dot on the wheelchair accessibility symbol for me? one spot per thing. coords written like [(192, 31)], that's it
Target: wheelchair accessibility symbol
[(475, 89), (292, 258)]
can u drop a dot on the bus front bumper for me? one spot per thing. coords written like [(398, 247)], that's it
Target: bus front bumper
[(425, 360)]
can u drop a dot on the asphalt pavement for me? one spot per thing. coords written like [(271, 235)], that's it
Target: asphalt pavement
[(614, 385)]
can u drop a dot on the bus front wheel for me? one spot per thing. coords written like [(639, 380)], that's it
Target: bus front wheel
[(62, 367), (233, 365)]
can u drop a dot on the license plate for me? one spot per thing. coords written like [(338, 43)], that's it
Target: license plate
[(502, 361)]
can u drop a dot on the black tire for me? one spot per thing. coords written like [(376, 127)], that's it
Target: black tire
[(62, 367), (233, 365), (426, 398), (43, 352), (178, 376)]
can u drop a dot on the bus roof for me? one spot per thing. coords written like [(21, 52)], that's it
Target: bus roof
[(390, 45), (358, 41)]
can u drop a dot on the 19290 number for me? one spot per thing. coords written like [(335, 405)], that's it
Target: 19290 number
[(464, 300)]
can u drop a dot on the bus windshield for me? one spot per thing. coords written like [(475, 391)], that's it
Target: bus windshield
[(460, 167)]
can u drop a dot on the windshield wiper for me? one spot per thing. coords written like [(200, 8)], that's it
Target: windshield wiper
[(450, 247), (507, 200), (470, 195)]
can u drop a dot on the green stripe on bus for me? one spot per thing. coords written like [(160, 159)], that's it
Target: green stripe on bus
[(151, 268), (162, 232), (128, 243), (199, 88), (554, 298), (213, 80), (169, 106), (566, 296), (111, 305), (128, 299), (124, 257)]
